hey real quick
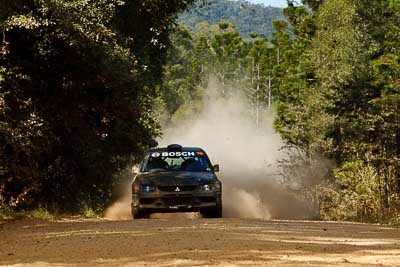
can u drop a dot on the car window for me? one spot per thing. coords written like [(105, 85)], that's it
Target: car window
[(179, 161)]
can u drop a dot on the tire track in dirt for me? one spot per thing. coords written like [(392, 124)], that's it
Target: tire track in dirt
[(196, 242)]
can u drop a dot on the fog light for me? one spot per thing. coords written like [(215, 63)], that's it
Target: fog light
[(206, 187), (217, 186), (148, 188)]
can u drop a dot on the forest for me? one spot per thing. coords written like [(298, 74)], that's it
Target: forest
[(86, 86), (245, 16)]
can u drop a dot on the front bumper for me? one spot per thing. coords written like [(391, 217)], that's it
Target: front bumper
[(176, 202)]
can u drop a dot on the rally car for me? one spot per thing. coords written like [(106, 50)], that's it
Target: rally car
[(176, 179)]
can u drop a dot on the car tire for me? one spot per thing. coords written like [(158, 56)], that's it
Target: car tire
[(214, 213), (137, 213)]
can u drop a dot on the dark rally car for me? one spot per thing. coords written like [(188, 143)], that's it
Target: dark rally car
[(176, 179)]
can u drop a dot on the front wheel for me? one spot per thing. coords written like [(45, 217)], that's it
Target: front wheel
[(137, 213), (214, 213)]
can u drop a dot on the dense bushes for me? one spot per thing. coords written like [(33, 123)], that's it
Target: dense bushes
[(341, 101), (77, 83)]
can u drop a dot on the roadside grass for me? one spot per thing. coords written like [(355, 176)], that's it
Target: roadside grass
[(40, 214), (7, 214), (89, 213), (394, 220)]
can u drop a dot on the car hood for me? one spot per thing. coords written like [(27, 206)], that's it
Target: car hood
[(176, 178)]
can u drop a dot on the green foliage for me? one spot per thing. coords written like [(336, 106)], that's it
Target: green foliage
[(229, 49), (300, 119), (338, 97), (358, 194), (190, 61), (185, 74), (77, 88), (218, 51), (39, 214), (88, 212), (175, 91), (246, 17), (7, 214)]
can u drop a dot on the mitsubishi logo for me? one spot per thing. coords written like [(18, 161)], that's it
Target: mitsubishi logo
[(177, 189)]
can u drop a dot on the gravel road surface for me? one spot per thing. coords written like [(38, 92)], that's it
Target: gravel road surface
[(196, 242)]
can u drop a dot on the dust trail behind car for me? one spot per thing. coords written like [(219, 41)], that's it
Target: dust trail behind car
[(247, 153)]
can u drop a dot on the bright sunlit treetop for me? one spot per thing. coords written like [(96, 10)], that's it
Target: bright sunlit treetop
[(274, 3)]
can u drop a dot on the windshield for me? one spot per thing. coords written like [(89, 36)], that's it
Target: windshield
[(176, 161)]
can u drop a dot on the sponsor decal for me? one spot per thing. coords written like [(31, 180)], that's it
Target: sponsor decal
[(173, 154), (155, 154)]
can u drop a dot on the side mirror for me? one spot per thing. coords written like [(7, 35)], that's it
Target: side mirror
[(216, 168), (135, 169)]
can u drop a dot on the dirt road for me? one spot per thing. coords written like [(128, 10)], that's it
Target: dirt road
[(196, 242)]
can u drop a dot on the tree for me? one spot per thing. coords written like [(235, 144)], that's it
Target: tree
[(230, 51), (261, 60), (299, 105), (246, 16), (339, 92), (76, 93), (175, 90)]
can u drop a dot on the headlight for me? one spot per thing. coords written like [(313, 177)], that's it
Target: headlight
[(135, 188), (206, 187), (147, 188), (217, 186)]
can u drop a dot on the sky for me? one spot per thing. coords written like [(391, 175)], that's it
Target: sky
[(276, 3)]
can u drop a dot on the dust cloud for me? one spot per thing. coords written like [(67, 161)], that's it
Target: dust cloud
[(119, 210), (247, 153)]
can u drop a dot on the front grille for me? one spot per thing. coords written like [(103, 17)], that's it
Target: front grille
[(206, 199), (173, 188), (147, 201), (178, 201)]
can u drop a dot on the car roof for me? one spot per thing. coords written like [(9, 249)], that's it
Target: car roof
[(164, 149)]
